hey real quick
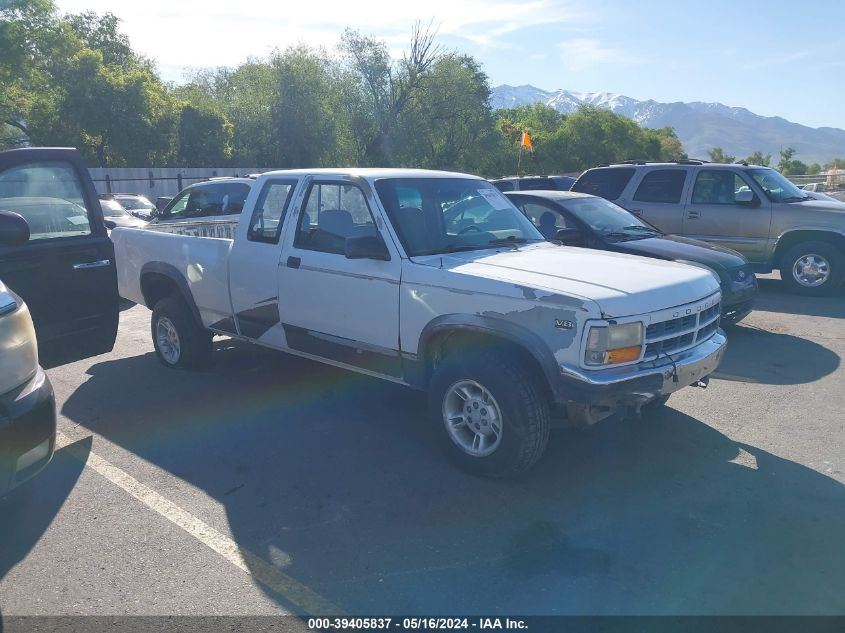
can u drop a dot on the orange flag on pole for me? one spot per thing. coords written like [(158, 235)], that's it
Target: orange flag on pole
[(526, 142)]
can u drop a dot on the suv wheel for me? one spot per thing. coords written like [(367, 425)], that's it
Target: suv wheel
[(179, 342), (492, 416), (812, 268)]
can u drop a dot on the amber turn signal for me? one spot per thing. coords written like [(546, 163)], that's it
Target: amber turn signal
[(623, 355)]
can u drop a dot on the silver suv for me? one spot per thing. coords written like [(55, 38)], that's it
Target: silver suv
[(751, 209)]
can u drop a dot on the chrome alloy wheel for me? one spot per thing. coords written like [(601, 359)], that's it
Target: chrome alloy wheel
[(168, 341), (473, 418), (811, 270)]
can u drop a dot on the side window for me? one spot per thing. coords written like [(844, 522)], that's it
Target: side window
[(234, 196), (49, 196), (548, 221), (717, 187), (504, 185), (176, 209), (662, 185), (269, 213), (333, 212), (607, 182)]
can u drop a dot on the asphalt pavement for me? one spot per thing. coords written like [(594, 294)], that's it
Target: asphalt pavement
[(271, 484)]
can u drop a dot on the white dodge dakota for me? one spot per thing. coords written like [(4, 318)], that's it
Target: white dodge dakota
[(436, 281)]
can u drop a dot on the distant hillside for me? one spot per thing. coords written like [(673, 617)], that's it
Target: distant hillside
[(700, 126)]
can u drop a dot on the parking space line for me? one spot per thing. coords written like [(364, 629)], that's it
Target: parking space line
[(291, 590)]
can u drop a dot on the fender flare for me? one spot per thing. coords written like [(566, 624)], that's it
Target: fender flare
[(178, 279), (490, 326)]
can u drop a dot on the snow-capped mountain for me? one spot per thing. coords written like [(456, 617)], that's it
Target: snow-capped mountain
[(700, 126)]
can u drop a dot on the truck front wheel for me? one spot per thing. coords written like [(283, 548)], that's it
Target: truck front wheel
[(179, 342), (812, 268), (491, 414)]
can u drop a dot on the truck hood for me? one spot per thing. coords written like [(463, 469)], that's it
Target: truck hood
[(621, 285), (819, 205)]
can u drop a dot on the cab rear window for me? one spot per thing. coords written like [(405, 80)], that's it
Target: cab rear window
[(607, 182)]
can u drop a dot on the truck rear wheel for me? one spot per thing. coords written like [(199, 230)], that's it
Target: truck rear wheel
[(812, 268), (179, 342), (491, 414)]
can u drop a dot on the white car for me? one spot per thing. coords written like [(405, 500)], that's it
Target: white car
[(206, 209), (389, 272)]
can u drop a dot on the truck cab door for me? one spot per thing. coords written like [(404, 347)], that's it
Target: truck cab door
[(253, 261), (714, 214), (66, 270), (339, 293)]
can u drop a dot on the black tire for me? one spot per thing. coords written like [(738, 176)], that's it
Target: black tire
[(194, 342), (524, 408), (834, 257)]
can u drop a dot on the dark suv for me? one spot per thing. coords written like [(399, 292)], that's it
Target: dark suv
[(751, 209)]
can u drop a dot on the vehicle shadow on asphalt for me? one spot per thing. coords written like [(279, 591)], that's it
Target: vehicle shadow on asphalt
[(336, 479), (27, 512), (773, 298), (760, 356)]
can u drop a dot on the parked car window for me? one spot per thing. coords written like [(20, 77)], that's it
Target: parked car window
[(608, 219), (776, 186), (662, 185), (714, 186), (232, 197), (113, 209), (606, 183), (49, 196), (504, 185), (134, 202), (547, 220), (452, 214), (269, 213), (333, 212), (535, 184)]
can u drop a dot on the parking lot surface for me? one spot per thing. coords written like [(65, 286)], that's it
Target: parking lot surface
[(271, 484)]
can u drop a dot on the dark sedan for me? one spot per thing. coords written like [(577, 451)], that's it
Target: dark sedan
[(579, 219)]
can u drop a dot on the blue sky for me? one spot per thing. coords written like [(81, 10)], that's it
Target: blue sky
[(774, 58)]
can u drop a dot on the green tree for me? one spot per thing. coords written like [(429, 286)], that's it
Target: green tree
[(205, 137), (718, 155), (814, 169), (758, 158)]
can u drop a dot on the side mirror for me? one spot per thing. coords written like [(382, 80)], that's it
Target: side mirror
[(109, 224), (14, 231), (569, 237), (366, 247), (747, 199)]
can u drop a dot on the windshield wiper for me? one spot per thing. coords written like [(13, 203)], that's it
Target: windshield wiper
[(621, 235), (797, 198), (456, 248), (511, 239), (640, 227)]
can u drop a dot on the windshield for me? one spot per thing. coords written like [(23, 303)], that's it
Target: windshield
[(442, 215), (777, 187), (607, 219), (112, 209), (135, 203)]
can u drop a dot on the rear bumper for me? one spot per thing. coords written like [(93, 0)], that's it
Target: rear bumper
[(637, 384), (27, 431)]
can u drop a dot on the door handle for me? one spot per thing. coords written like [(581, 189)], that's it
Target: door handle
[(294, 262), (102, 263), (693, 215)]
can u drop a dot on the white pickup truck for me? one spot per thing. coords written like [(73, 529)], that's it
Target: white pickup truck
[(436, 281)]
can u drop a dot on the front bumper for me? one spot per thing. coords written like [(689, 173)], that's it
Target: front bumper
[(27, 431), (634, 385), (738, 299)]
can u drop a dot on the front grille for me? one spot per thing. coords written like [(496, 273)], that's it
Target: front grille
[(678, 334)]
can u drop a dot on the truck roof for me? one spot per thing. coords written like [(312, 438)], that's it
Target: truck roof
[(370, 173)]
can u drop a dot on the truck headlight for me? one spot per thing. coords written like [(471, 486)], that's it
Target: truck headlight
[(613, 344)]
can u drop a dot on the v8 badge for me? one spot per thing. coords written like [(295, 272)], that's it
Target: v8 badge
[(564, 325)]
